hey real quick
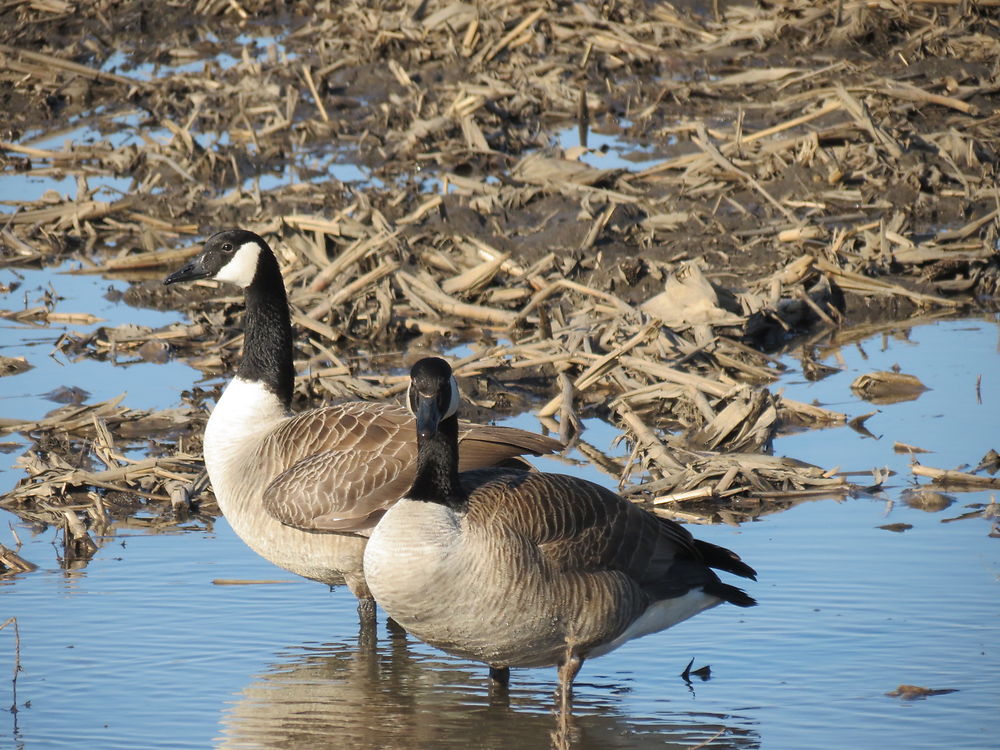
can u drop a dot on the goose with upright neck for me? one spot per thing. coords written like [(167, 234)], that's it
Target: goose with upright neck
[(529, 569), (305, 490)]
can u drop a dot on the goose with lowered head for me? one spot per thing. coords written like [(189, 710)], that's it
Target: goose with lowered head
[(304, 490), (528, 569)]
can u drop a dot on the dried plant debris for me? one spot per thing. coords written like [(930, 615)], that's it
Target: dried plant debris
[(13, 365), (12, 563), (916, 692), (76, 473), (896, 527), (990, 463), (899, 447), (887, 387), (928, 500), (436, 172), (955, 479), (989, 511)]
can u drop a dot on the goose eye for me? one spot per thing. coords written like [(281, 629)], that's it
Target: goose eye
[(227, 248)]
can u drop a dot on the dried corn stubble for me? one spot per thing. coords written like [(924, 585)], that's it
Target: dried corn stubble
[(821, 179)]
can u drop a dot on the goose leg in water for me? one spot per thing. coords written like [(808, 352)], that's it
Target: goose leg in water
[(499, 686), (568, 670), (500, 676), (366, 613), (368, 630), (366, 602)]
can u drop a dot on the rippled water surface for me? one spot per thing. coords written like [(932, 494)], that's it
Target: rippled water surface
[(141, 649)]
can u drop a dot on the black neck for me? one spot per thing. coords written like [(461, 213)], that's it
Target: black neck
[(267, 338), (437, 467)]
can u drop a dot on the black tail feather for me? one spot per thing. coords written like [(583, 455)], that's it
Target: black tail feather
[(730, 594), (721, 558)]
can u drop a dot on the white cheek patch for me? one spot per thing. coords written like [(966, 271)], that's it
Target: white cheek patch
[(455, 398), (243, 266), (409, 399)]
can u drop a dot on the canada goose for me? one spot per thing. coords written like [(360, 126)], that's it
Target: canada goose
[(285, 482), (528, 569)]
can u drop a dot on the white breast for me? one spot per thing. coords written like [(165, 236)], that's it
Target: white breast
[(457, 590), (244, 414), (411, 557)]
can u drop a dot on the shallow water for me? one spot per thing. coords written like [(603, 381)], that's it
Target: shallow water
[(141, 649), (30, 395), (609, 150)]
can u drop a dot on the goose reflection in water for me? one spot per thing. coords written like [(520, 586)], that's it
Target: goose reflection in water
[(386, 695)]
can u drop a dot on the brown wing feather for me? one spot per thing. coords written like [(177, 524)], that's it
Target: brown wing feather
[(357, 481), (341, 462), (346, 464), (481, 445), (580, 526), (344, 427)]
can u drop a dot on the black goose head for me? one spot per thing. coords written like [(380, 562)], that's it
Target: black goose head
[(231, 255), (432, 395), (244, 258)]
